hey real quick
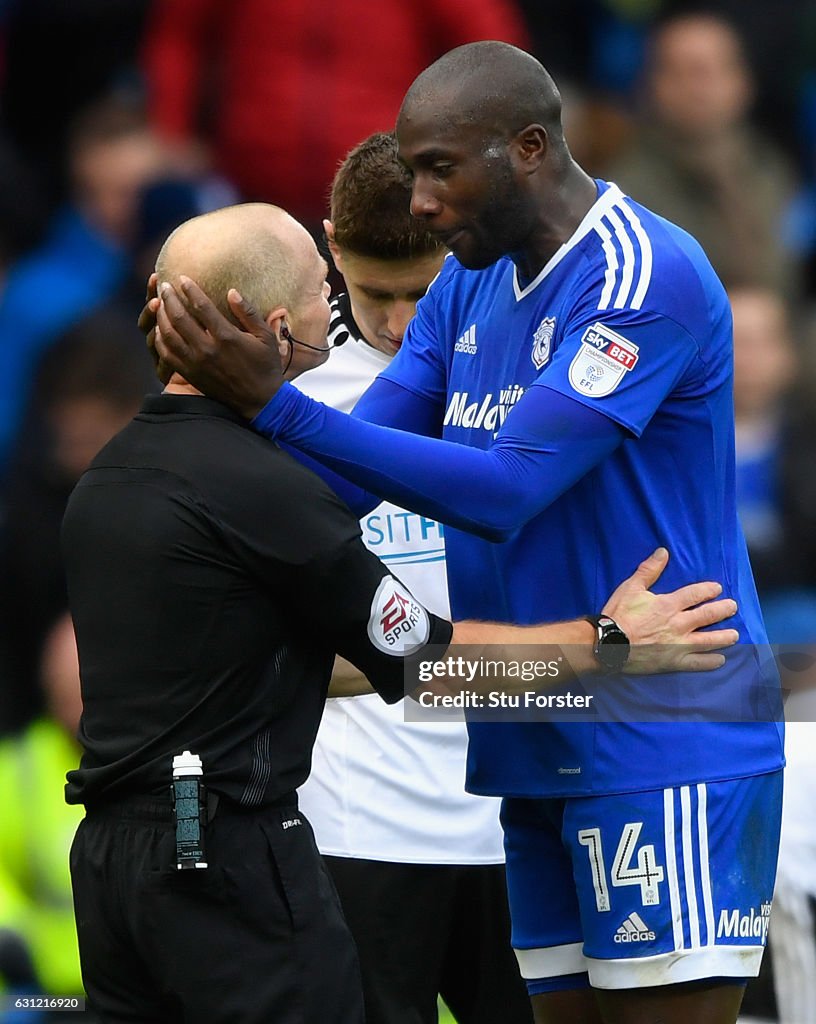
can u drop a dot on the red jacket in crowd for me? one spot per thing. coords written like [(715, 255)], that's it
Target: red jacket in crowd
[(282, 89)]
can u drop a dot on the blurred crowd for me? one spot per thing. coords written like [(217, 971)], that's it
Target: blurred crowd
[(119, 120)]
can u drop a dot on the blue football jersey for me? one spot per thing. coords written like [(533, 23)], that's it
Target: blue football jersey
[(629, 319)]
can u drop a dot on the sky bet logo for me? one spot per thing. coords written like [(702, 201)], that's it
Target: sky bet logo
[(621, 350)]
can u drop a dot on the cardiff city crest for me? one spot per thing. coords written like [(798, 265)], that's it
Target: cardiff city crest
[(541, 341)]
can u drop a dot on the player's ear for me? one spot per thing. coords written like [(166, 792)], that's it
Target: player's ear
[(334, 249), (530, 147)]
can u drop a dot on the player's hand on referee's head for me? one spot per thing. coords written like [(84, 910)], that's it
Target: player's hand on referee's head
[(239, 367), (147, 325), (668, 632)]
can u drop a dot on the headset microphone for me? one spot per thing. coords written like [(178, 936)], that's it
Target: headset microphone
[(287, 335)]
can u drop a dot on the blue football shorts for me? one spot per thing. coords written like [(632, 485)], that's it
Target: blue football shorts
[(642, 889)]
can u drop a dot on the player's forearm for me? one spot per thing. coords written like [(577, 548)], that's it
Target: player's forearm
[(574, 639), (347, 680), (491, 493), (566, 644)]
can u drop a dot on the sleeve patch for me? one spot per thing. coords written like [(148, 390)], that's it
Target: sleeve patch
[(397, 624), (602, 361)]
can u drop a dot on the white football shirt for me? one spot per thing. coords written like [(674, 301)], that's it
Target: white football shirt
[(382, 788)]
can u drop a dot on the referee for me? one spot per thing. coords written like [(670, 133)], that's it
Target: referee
[(211, 580)]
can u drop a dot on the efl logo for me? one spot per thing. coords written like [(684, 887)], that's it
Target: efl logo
[(397, 624)]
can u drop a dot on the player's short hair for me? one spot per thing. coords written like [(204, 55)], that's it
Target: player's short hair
[(370, 204)]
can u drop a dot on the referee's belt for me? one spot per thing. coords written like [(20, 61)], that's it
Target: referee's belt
[(155, 810)]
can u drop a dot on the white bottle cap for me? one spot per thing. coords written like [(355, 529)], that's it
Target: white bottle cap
[(187, 764)]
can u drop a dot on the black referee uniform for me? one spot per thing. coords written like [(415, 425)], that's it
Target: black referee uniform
[(211, 580)]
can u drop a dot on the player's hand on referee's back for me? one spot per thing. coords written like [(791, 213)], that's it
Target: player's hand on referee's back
[(668, 631), (240, 367)]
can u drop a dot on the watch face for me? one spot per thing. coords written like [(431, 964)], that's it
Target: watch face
[(612, 648)]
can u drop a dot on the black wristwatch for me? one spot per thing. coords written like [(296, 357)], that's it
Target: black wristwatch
[(611, 643)]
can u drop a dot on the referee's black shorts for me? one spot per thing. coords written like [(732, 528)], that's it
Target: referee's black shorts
[(257, 936)]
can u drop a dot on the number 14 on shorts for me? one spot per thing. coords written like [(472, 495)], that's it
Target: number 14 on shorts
[(646, 872)]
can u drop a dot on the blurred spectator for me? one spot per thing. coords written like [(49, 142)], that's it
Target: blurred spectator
[(596, 129), (801, 220), (38, 826), (22, 219), (88, 386), (282, 89), (83, 260), (61, 56), (776, 486), (162, 205), (696, 159), (776, 37), (596, 43), (112, 154), (561, 34)]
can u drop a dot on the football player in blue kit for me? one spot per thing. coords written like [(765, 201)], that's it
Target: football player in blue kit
[(563, 401)]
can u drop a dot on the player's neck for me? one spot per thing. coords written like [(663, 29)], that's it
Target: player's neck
[(562, 208)]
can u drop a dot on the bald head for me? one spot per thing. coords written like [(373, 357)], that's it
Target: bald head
[(491, 86), (257, 248)]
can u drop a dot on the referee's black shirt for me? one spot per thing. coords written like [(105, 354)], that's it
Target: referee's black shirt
[(211, 580)]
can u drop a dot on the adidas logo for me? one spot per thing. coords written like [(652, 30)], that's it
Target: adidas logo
[(467, 343), (633, 929)]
